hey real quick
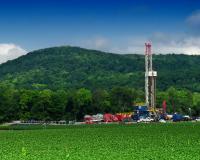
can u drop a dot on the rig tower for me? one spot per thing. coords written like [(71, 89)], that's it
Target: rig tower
[(150, 80)]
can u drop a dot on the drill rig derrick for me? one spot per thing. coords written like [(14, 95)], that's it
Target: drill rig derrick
[(150, 81)]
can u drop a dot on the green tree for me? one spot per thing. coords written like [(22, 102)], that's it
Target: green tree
[(172, 100), (25, 104), (160, 97), (184, 101), (57, 109), (101, 102), (9, 108), (42, 105), (122, 99), (196, 104), (82, 103)]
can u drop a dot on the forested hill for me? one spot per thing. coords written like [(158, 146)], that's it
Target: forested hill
[(73, 68)]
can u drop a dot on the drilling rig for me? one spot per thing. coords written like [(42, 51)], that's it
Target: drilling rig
[(150, 81)]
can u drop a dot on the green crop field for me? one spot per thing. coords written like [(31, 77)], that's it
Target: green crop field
[(102, 142)]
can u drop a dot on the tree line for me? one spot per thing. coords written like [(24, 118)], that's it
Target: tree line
[(24, 104)]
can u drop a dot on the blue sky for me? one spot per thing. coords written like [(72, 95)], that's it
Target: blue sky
[(120, 26)]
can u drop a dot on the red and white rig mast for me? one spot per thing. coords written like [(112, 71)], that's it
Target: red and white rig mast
[(150, 80)]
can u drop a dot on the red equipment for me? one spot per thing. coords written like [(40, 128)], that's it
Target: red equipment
[(110, 118), (88, 119), (164, 105), (122, 116)]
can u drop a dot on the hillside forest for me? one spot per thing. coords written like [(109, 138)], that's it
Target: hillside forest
[(65, 83)]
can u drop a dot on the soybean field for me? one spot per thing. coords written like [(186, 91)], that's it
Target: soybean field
[(171, 141)]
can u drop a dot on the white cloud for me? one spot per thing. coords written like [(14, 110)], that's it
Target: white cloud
[(10, 51), (129, 45), (194, 19), (161, 44), (99, 43), (166, 43)]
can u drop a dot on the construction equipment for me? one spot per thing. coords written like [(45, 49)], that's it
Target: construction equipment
[(90, 119), (109, 118), (140, 112), (150, 81), (123, 116), (177, 117)]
